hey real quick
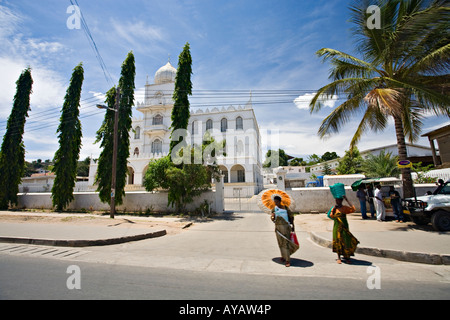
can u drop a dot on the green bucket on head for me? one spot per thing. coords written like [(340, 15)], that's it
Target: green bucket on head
[(338, 190)]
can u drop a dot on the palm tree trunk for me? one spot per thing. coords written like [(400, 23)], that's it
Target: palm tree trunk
[(408, 188)]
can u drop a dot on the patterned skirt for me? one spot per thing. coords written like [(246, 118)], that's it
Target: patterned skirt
[(344, 243), (283, 232)]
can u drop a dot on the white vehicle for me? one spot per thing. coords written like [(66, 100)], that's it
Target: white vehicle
[(434, 208)]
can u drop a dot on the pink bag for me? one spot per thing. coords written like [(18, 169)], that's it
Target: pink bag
[(294, 238)]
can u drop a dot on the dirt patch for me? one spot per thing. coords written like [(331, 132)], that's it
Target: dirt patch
[(171, 225)]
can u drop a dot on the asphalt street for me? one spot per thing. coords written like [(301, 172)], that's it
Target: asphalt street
[(33, 278)]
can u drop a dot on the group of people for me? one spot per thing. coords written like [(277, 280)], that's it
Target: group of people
[(344, 243), (376, 203)]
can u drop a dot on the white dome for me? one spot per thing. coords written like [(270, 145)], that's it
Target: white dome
[(165, 74)]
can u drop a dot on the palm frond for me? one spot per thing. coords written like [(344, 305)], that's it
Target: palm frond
[(374, 119), (328, 53), (387, 100), (349, 87), (340, 115), (429, 99)]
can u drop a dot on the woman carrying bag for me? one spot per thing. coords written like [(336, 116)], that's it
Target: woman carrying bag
[(284, 226)]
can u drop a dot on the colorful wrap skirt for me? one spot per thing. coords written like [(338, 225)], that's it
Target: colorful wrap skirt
[(283, 232), (344, 243)]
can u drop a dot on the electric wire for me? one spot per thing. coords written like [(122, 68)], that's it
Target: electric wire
[(33, 123), (93, 45)]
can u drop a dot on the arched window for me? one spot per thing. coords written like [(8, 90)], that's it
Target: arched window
[(239, 123), (137, 133), (223, 125), (157, 146), (209, 124), (158, 119), (237, 173)]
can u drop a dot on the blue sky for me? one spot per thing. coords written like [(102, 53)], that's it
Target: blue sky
[(245, 45)]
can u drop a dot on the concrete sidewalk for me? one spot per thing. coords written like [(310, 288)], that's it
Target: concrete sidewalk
[(77, 230), (401, 241)]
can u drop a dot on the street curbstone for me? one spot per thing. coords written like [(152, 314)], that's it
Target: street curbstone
[(416, 257), (83, 243)]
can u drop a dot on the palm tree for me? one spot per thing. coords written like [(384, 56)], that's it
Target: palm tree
[(381, 165), (403, 73)]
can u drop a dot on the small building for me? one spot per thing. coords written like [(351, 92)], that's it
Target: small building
[(441, 154)]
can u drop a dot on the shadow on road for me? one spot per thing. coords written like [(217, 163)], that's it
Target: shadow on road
[(299, 263)]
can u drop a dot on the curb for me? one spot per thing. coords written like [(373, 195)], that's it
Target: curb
[(83, 243), (417, 257)]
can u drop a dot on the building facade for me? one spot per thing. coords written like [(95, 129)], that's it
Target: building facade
[(150, 137)]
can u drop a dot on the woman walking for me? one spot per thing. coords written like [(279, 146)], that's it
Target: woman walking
[(284, 225), (344, 243)]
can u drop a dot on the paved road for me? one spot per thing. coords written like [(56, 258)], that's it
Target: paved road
[(32, 278), (226, 259)]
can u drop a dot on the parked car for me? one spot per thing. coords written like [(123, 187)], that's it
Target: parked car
[(434, 208)]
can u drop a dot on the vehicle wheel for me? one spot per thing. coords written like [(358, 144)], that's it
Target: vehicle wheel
[(441, 221), (421, 221)]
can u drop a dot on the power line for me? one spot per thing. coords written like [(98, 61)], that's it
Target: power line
[(94, 45), (48, 114), (219, 98)]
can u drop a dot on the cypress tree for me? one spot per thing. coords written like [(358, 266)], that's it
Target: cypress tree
[(106, 134), (12, 154), (183, 89), (66, 158)]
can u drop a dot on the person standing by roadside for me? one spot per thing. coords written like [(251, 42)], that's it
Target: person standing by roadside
[(362, 196), (396, 204), (371, 200), (379, 204)]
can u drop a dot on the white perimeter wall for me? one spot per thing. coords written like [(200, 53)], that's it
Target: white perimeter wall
[(321, 199), (133, 201)]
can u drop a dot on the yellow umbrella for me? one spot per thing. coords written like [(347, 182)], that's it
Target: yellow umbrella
[(267, 204)]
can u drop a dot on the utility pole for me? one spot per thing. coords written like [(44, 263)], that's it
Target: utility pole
[(114, 159)]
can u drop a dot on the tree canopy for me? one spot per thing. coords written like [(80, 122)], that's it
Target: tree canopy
[(12, 153), (69, 129)]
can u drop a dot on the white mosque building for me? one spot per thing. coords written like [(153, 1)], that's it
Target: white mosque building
[(150, 137)]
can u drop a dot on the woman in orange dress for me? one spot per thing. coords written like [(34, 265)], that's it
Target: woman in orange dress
[(344, 243)]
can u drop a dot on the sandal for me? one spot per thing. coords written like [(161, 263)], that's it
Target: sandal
[(339, 261), (287, 264)]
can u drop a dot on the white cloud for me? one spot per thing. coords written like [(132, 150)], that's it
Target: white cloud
[(8, 21), (138, 35), (303, 101), (48, 87)]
